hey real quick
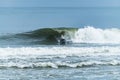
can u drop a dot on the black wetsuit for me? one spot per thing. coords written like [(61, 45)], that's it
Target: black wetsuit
[(62, 41)]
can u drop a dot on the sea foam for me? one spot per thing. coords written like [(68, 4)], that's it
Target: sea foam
[(96, 35), (64, 50)]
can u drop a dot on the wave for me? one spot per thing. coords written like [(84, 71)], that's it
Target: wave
[(40, 36), (74, 35), (60, 64)]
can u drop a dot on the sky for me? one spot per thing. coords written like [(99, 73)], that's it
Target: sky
[(14, 19), (59, 3)]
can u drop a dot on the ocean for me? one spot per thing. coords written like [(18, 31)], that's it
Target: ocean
[(22, 19), (31, 53)]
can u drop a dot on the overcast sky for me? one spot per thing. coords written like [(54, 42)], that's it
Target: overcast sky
[(59, 3)]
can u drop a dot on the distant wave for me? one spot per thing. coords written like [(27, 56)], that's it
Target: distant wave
[(75, 35)]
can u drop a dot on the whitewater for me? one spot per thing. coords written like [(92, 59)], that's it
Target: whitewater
[(97, 35), (91, 54)]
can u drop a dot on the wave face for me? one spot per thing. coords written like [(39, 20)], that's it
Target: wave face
[(40, 36), (53, 35)]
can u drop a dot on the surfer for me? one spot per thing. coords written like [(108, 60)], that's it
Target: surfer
[(62, 40)]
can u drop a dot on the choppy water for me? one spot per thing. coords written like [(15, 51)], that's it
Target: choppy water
[(60, 62), (93, 54)]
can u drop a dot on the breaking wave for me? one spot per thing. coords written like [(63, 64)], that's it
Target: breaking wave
[(74, 35), (40, 36), (97, 35)]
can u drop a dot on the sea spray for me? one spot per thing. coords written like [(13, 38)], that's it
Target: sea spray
[(96, 35)]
